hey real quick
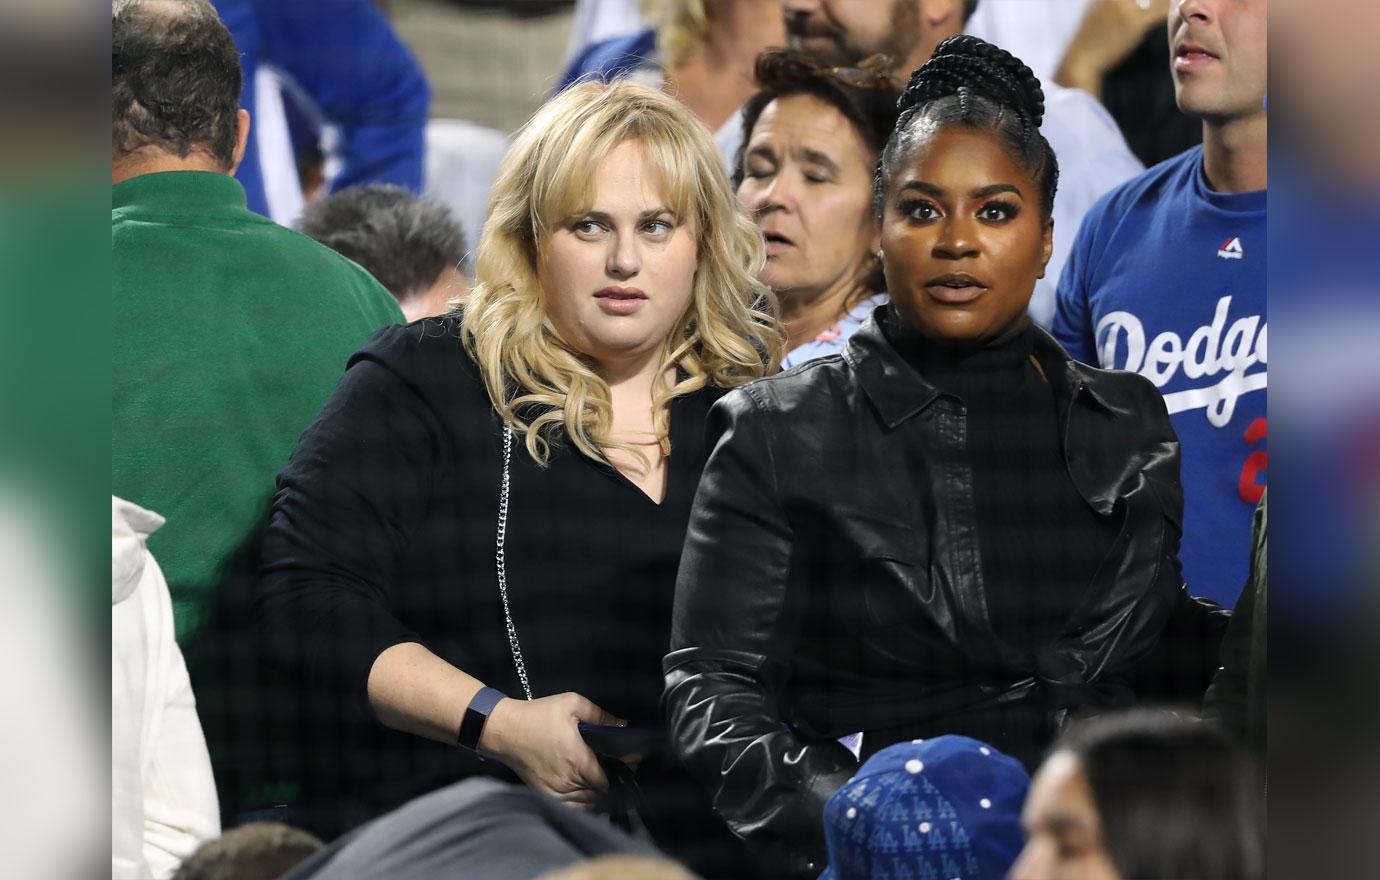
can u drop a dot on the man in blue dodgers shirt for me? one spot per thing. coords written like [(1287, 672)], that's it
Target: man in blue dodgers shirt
[(1167, 279)]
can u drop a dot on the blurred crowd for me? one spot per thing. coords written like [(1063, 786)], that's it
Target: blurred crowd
[(803, 438)]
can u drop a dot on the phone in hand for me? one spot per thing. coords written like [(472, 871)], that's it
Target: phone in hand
[(619, 741)]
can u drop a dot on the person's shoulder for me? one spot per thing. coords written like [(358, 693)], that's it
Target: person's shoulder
[(1078, 111), (312, 253), (435, 338), (1086, 137), (804, 383), (609, 58), (333, 272), (1149, 190), (1123, 391), (1152, 184), (428, 354)]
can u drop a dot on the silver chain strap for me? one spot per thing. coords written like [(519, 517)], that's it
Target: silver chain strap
[(502, 567)]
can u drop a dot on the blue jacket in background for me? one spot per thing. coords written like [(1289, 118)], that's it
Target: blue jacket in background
[(610, 59), (346, 57)]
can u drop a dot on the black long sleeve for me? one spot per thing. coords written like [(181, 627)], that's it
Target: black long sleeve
[(383, 531), (736, 626), (347, 508)]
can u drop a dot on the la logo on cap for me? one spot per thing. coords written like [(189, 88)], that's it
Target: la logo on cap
[(1231, 249)]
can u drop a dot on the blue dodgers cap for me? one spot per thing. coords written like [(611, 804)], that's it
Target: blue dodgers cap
[(935, 809)]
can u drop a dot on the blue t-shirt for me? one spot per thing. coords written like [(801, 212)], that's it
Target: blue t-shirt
[(1167, 279)]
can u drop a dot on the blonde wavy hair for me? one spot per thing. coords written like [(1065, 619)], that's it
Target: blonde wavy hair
[(543, 388), (681, 26)]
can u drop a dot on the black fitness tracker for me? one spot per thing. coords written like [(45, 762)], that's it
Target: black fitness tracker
[(476, 714)]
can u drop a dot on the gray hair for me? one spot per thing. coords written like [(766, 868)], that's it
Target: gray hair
[(403, 240)]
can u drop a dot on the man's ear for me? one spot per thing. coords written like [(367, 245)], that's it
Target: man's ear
[(1047, 246), (241, 139), (937, 12)]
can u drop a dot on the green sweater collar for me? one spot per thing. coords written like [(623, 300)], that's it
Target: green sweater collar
[(179, 190)]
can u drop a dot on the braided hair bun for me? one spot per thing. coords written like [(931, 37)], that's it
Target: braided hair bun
[(970, 82), (968, 64)]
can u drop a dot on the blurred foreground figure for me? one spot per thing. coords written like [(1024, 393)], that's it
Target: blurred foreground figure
[(53, 820), (253, 851), (1142, 795), (411, 245), (947, 807), (1167, 279), (479, 828), (163, 798)]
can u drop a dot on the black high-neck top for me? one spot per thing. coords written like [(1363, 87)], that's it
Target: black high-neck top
[(1040, 542)]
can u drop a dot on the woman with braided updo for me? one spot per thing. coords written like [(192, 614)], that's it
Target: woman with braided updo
[(953, 528)]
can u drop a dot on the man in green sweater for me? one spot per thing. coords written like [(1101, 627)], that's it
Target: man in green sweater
[(229, 333)]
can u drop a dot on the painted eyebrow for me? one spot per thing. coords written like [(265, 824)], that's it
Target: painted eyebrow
[(607, 219), (939, 192)]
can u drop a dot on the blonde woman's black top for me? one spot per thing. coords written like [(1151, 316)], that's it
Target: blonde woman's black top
[(383, 531)]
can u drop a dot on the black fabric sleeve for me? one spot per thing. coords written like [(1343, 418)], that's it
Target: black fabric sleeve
[(735, 627), (1129, 637), (1235, 699), (1177, 666), (347, 503)]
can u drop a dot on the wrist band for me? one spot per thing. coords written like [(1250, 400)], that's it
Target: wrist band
[(476, 714)]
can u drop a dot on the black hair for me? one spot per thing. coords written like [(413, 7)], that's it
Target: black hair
[(968, 81), (1175, 798), (864, 95), (175, 79), (969, 7), (403, 240)]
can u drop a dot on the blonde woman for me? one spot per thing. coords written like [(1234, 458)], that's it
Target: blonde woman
[(476, 543)]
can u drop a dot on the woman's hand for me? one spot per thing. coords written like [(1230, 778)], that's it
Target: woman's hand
[(540, 741)]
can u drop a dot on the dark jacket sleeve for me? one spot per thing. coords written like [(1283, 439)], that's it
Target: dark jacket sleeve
[(1175, 661), (1138, 634), (1236, 699), (735, 627), (347, 503)]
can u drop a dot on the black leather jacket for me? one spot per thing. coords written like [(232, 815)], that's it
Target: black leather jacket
[(830, 581)]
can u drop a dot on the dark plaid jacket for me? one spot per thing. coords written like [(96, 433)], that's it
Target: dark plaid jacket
[(830, 580)]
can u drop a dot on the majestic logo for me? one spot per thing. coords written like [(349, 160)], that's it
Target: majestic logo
[(1212, 351), (1231, 249)]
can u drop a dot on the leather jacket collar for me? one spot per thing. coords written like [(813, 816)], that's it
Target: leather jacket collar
[(899, 392)]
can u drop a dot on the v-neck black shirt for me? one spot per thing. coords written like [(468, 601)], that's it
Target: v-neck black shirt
[(384, 531)]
